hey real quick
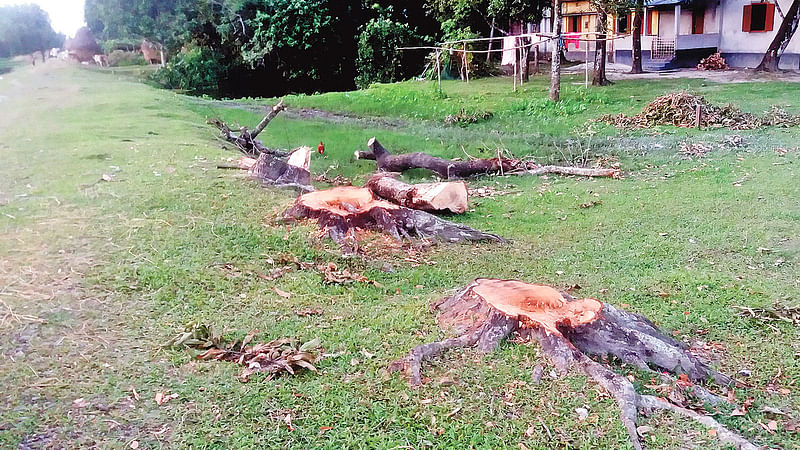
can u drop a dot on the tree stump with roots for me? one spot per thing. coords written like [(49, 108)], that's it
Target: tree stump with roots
[(342, 210), (569, 332)]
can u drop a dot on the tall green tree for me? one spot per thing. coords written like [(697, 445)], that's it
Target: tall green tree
[(26, 29)]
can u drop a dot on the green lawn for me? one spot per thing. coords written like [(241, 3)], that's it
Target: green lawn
[(113, 270)]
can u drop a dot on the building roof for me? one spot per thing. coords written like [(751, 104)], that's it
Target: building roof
[(651, 3)]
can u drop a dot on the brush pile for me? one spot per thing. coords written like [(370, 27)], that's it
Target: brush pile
[(272, 357), (680, 109), (713, 62)]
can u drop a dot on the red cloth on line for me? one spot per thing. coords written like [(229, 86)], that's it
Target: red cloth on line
[(572, 38)]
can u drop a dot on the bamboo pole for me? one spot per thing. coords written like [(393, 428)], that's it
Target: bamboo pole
[(439, 69)]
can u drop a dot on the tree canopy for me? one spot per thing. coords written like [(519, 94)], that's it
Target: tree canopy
[(26, 29)]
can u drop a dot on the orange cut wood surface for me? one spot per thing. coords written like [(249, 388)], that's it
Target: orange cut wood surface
[(343, 201), (536, 304)]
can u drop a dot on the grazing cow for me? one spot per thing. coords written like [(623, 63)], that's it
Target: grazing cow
[(54, 52), (101, 60)]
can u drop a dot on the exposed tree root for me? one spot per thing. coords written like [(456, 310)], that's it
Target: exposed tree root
[(569, 330), (447, 169), (343, 209)]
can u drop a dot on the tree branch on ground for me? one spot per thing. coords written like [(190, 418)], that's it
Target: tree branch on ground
[(449, 169)]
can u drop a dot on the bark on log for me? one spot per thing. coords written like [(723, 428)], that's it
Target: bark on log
[(569, 330), (274, 172), (246, 140), (342, 210), (450, 196), (448, 169)]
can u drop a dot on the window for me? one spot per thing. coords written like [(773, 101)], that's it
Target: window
[(698, 19), (624, 23), (758, 17), (573, 24), (652, 22)]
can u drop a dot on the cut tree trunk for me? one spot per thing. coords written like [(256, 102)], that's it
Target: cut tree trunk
[(342, 210), (569, 331), (246, 140), (444, 196), (448, 169), (784, 34), (636, 36), (274, 172), (555, 65)]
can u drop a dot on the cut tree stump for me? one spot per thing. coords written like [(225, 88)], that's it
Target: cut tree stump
[(344, 209), (246, 140), (569, 331), (448, 169), (449, 196), (274, 172)]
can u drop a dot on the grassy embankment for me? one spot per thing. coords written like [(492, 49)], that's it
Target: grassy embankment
[(117, 268)]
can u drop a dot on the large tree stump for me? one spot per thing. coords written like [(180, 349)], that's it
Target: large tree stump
[(569, 330), (448, 169), (344, 209), (452, 196)]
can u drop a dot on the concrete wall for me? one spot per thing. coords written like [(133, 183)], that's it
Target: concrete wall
[(738, 43)]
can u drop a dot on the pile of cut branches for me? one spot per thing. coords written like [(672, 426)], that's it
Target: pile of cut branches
[(713, 62), (686, 110), (272, 357)]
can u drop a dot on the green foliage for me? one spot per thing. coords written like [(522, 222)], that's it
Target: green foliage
[(120, 58), (378, 57), (197, 70), (163, 21), (26, 29)]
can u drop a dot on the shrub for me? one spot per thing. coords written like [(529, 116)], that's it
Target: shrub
[(197, 70), (121, 58), (379, 61)]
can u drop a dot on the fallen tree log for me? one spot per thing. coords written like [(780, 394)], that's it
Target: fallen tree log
[(246, 140), (448, 169), (342, 210), (452, 196), (293, 174), (569, 330)]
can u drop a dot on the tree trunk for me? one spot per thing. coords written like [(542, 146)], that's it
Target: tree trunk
[(445, 196), (555, 67), (784, 34), (342, 210), (569, 331), (446, 168), (599, 75), (636, 36)]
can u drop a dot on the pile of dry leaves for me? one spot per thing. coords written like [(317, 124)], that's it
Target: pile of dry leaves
[(713, 62), (273, 357), (680, 109)]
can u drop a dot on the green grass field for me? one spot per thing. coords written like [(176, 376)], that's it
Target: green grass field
[(96, 276)]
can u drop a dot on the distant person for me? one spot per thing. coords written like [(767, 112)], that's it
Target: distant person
[(33, 59)]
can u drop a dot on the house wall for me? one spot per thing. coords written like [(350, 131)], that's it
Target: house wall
[(745, 49)]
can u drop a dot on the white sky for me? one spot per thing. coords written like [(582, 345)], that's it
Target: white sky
[(66, 16)]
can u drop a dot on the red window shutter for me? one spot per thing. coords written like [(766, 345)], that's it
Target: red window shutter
[(578, 21), (629, 24), (746, 13), (649, 22), (770, 17)]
